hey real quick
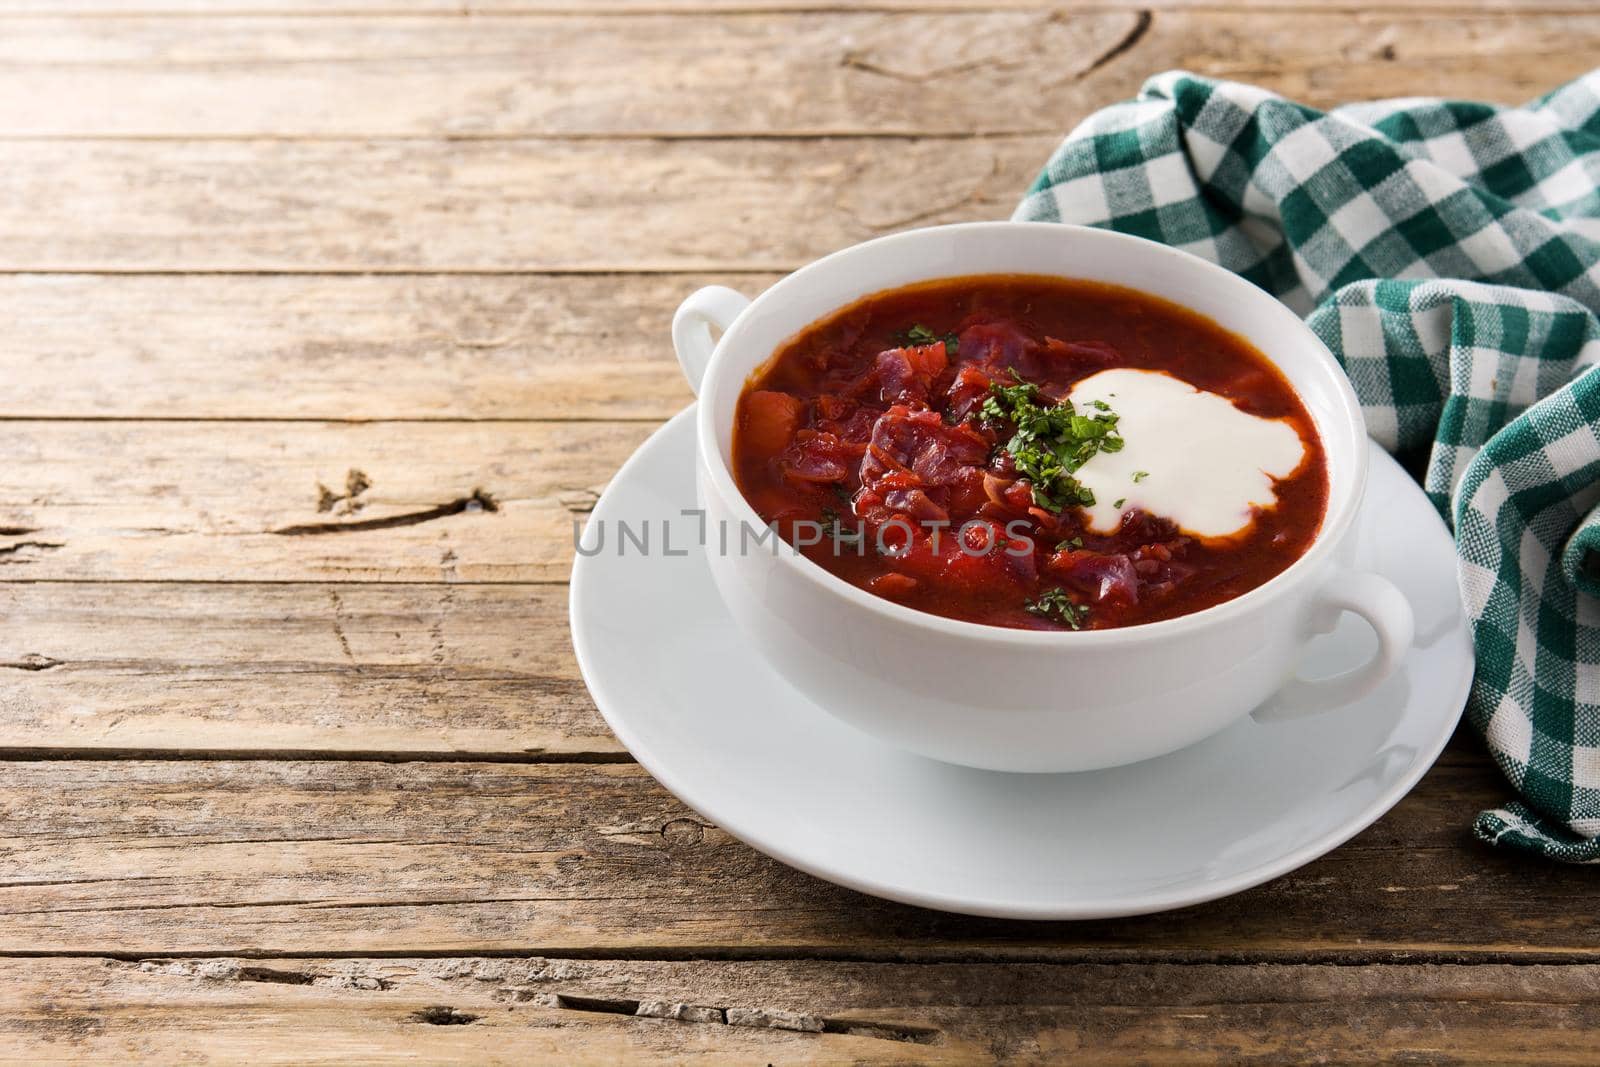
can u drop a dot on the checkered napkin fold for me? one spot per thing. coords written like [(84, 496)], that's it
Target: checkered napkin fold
[(1448, 253)]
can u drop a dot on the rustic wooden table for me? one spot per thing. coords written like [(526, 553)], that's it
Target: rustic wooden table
[(322, 327)]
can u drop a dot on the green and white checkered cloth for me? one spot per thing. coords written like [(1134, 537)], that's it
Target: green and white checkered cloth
[(1449, 254)]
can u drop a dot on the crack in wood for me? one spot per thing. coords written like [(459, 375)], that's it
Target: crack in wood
[(759, 1018), (202, 671), (33, 661), (921, 1035), (601, 1005), (448, 902), (854, 60), (1141, 26), (528, 756), (273, 976), (277, 976), (1121, 957), (16, 549), (443, 1015), (476, 501)]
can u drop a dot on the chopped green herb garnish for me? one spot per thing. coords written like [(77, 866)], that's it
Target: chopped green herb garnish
[(1056, 604), (1051, 441), (921, 335), (1062, 546), (1121, 502), (1139, 476), (834, 527)]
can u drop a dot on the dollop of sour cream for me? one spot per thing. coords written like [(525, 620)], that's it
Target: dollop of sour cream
[(1190, 456)]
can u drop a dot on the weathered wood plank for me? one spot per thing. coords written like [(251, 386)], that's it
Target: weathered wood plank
[(506, 205), (269, 501), (319, 857), (426, 670), (419, 670), (345, 347), (773, 74), (834, 72), (466, 1010)]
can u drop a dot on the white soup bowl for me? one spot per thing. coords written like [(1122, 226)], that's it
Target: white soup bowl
[(1022, 700)]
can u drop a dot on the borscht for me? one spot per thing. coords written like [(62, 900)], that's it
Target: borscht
[(1032, 452)]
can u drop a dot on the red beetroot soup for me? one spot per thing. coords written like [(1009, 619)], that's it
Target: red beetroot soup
[(921, 444)]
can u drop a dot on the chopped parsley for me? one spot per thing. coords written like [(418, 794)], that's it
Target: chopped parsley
[(1120, 502), (1139, 476), (835, 528), (1051, 441), (920, 335), (1062, 546), (1057, 605)]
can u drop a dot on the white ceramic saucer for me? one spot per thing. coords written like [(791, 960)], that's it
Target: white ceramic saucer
[(705, 715)]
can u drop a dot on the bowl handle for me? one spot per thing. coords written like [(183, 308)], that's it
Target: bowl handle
[(1386, 610), (715, 305)]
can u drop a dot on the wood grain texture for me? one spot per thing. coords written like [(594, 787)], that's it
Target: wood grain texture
[(519, 1010), (204, 9), (265, 501), (345, 347), (536, 205), (390, 670), (761, 76), (336, 857), (836, 72), (406, 206), (457, 210)]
